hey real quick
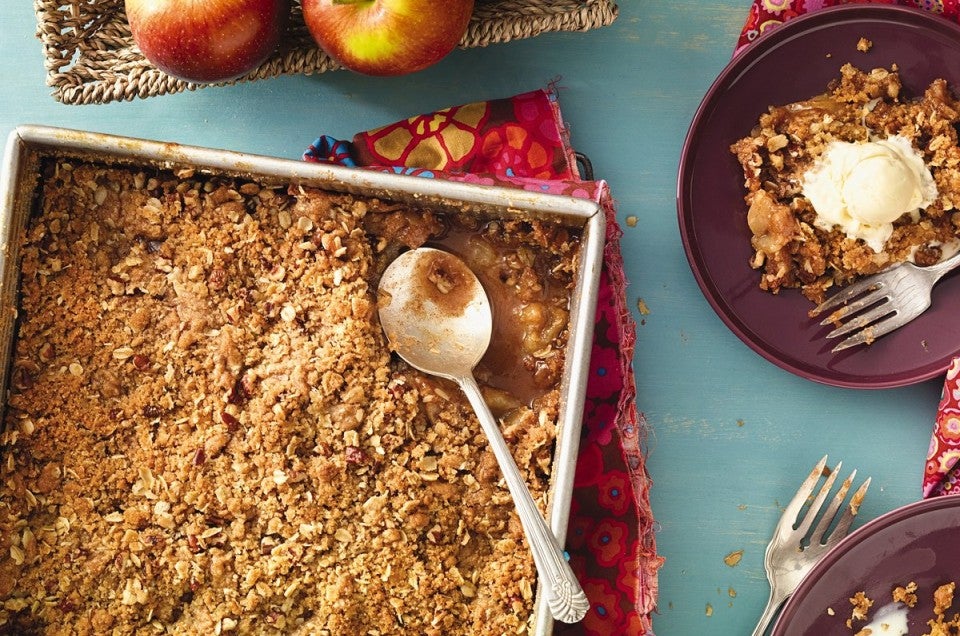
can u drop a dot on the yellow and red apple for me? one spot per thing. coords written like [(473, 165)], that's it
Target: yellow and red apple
[(387, 37), (207, 40)]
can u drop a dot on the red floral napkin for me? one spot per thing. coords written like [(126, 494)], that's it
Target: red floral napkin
[(941, 474), (522, 142), (765, 14)]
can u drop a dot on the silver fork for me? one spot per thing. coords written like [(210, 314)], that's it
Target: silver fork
[(878, 304), (794, 548)]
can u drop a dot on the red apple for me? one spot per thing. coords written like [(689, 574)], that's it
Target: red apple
[(207, 40), (387, 37)]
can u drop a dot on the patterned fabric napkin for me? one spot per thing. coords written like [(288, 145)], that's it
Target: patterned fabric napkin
[(941, 474), (769, 13), (522, 142)]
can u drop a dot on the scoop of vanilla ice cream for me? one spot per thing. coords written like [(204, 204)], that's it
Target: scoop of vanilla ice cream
[(864, 187)]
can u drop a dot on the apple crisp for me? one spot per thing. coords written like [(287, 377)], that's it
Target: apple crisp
[(206, 432), (905, 598), (793, 247)]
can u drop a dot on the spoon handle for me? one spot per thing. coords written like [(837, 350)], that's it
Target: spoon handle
[(566, 598)]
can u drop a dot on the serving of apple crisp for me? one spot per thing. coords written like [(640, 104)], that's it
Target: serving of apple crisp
[(206, 432), (849, 182)]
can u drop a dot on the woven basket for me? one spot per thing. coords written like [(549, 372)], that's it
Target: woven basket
[(90, 56)]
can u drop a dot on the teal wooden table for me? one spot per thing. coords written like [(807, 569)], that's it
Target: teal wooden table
[(731, 434)]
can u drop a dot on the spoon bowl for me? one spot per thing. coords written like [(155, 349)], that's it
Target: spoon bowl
[(435, 312), (436, 316)]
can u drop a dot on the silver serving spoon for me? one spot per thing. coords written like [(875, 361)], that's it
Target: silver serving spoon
[(437, 317)]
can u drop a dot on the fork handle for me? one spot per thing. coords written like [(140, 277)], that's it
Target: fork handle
[(774, 602)]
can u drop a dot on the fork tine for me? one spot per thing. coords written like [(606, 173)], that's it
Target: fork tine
[(878, 294), (862, 320), (848, 293), (792, 511), (817, 503), (820, 532), (871, 332), (850, 512)]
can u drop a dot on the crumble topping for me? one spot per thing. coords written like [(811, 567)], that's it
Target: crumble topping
[(905, 597), (206, 432), (790, 250), (906, 594), (940, 624), (861, 605)]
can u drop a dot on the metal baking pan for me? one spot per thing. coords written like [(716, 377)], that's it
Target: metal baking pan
[(19, 177)]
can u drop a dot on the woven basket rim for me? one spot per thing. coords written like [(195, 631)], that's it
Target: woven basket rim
[(90, 56)]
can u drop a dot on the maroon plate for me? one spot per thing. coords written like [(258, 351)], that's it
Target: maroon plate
[(793, 62), (917, 542)]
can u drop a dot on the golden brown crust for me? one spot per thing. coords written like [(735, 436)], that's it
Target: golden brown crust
[(207, 433)]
